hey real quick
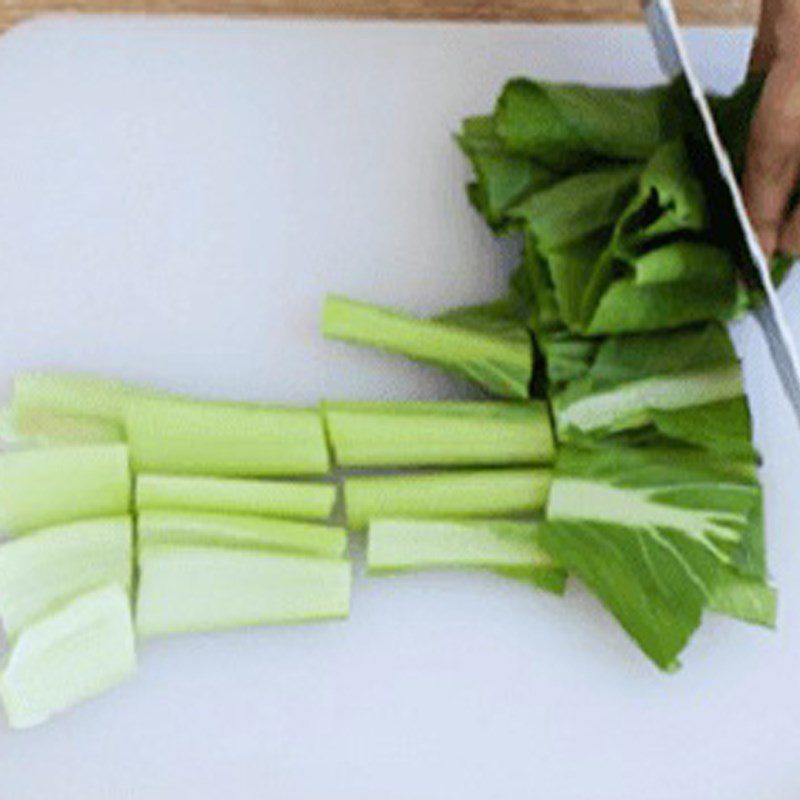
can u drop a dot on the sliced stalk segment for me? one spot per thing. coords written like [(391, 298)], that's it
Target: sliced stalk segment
[(185, 589), (498, 358), (41, 571), (228, 530), (39, 488), (66, 409), (445, 495), (175, 435), (284, 499), (79, 651), (72, 395), (439, 434), (413, 544), (41, 427)]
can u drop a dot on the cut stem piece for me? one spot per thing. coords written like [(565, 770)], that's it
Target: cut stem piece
[(41, 571), (500, 362), (228, 530), (175, 435), (284, 499), (447, 495), (185, 589), (439, 434), (77, 652), (66, 409), (39, 488), (39, 427), (408, 544), (72, 395)]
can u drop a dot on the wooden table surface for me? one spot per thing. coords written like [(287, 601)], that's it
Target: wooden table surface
[(731, 12)]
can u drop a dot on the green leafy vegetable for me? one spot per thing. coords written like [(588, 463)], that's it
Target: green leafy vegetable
[(639, 577), (619, 235), (670, 199), (577, 207), (482, 345), (680, 284), (566, 126), (660, 535), (592, 232), (503, 178), (685, 385)]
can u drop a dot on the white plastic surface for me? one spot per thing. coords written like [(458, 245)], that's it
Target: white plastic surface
[(176, 197)]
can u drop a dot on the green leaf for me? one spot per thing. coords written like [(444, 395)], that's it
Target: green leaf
[(577, 206), (659, 535), (744, 598), (725, 426), (601, 285), (568, 126), (533, 293), (672, 381), (670, 199), (708, 499), (638, 576), (580, 271), (568, 357), (679, 284), (729, 590), (501, 178), (595, 179)]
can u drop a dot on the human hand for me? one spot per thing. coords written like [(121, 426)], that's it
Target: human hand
[(772, 166)]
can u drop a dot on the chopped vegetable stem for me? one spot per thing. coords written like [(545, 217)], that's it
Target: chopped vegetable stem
[(449, 495), (439, 434)]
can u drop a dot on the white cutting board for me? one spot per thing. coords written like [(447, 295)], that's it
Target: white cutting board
[(176, 197)]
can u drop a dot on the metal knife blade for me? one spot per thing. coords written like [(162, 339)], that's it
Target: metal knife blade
[(750, 258)]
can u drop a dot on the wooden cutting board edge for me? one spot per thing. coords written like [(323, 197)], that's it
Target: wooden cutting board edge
[(713, 12)]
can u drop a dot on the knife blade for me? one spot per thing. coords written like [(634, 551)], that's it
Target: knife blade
[(730, 210)]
